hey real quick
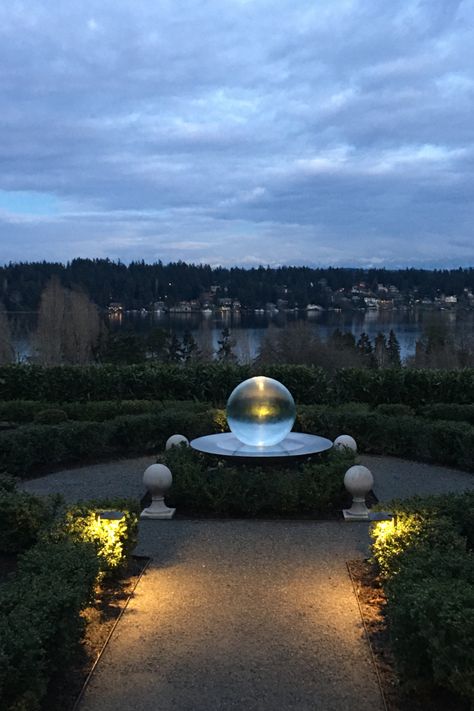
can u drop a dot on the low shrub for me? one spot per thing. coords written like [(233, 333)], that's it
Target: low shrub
[(32, 448), (403, 436), (52, 416), (20, 411), (199, 486), (449, 411), (23, 518), (40, 606), (396, 409), (386, 430), (40, 621), (113, 539), (428, 572), (28, 411)]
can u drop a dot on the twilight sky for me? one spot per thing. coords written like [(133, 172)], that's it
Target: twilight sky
[(238, 131)]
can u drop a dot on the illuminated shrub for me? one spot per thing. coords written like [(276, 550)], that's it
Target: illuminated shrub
[(427, 568), (113, 539)]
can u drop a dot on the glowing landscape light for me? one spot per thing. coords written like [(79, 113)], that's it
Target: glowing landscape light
[(260, 412)]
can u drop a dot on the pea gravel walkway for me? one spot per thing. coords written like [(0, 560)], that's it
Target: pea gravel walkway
[(254, 615)]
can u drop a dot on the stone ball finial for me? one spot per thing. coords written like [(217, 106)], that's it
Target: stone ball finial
[(176, 440), (358, 481), (345, 441), (157, 478)]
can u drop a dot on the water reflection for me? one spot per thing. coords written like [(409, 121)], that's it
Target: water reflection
[(248, 328)]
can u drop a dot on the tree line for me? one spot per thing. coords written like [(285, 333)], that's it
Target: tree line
[(71, 330), (138, 284)]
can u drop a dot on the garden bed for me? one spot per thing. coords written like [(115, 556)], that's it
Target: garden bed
[(372, 600)]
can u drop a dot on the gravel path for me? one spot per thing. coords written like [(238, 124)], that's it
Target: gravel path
[(394, 478), (247, 615), (400, 478), (122, 478)]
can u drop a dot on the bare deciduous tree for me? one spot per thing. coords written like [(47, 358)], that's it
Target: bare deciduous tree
[(81, 328), (68, 326)]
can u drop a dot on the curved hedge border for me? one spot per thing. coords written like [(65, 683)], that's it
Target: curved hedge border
[(214, 383), (33, 448), (408, 437)]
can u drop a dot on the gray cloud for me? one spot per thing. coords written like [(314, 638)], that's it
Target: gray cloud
[(239, 131)]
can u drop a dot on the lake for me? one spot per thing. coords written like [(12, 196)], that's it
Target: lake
[(248, 329)]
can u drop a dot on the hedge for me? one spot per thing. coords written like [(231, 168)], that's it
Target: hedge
[(449, 411), (409, 437), (427, 567), (23, 517), (214, 383), (33, 448), (40, 412), (40, 622), (201, 487), (40, 605)]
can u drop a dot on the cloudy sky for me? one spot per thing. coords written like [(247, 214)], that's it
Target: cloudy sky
[(238, 131)]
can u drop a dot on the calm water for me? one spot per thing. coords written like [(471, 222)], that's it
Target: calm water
[(248, 329)]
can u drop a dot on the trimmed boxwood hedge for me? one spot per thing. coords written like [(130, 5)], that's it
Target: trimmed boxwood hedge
[(311, 487), (408, 437), (427, 564), (214, 382), (33, 448), (40, 621), (27, 411), (385, 430), (449, 411), (64, 552)]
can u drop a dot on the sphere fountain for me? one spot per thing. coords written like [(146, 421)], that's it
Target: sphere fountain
[(260, 414)]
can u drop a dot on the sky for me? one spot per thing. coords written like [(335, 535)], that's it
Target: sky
[(238, 132)]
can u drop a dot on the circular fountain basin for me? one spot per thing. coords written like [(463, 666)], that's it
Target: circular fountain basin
[(296, 444)]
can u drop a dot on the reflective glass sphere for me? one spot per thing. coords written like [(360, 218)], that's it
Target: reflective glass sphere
[(261, 411)]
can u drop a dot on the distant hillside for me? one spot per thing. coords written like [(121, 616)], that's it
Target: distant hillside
[(137, 284)]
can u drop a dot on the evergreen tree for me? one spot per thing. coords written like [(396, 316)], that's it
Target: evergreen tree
[(349, 341), (393, 349), (123, 349), (156, 343), (381, 351), (226, 343), (174, 352), (336, 339), (366, 351), (189, 348)]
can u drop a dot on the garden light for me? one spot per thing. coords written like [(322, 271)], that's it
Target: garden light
[(111, 519)]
